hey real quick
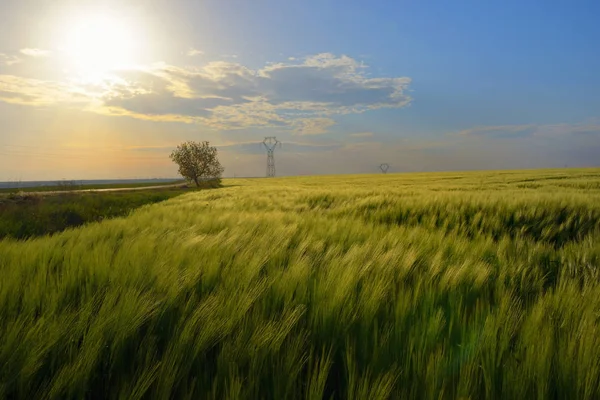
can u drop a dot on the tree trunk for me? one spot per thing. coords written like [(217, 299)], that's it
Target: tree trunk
[(196, 181)]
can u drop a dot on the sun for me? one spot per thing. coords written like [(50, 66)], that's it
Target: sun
[(97, 44)]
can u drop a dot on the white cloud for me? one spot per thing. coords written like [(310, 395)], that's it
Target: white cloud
[(313, 126), (35, 52), (194, 52), (6, 59)]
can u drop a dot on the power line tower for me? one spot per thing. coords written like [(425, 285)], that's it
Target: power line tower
[(270, 144), (384, 168)]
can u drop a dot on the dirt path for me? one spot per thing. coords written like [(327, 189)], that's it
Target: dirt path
[(56, 192)]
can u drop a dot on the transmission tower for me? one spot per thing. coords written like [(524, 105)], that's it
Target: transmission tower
[(384, 168), (270, 144)]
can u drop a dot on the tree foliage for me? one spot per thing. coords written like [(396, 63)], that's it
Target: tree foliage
[(198, 162)]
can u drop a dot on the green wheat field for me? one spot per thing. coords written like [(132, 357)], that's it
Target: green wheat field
[(470, 285)]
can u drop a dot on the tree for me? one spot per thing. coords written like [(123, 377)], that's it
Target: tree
[(198, 162)]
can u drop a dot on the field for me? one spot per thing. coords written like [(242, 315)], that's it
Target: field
[(474, 285)]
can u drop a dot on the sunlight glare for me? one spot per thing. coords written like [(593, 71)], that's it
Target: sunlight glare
[(98, 44)]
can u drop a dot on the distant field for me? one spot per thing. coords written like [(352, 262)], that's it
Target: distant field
[(475, 285), (68, 186)]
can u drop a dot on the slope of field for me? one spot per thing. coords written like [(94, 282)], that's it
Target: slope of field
[(451, 285)]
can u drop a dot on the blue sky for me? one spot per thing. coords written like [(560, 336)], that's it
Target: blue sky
[(105, 91)]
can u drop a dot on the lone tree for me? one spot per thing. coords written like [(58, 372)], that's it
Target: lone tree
[(198, 162)]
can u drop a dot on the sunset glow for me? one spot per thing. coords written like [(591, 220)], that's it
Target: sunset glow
[(345, 86)]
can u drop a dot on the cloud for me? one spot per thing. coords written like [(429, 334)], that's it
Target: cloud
[(532, 130), (33, 92), (300, 96), (287, 147), (150, 94), (313, 126), (362, 134), (337, 82), (35, 52), (499, 130), (254, 147), (559, 130), (194, 52), (6, 59)]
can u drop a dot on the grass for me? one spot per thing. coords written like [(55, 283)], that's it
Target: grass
[(25, 215), (72, 185), (479, 285)]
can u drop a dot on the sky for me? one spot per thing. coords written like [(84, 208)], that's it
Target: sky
[(107, 89)]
